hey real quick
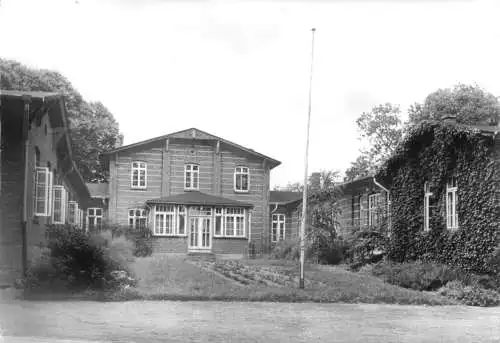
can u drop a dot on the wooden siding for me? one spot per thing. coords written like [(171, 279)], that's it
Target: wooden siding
[(12, 197), (166, 162)]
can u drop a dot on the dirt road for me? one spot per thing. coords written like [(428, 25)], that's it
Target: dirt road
[(244, 322)]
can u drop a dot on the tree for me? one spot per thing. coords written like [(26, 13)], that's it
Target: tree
[(92, 127), (382, 130), (469, 103)]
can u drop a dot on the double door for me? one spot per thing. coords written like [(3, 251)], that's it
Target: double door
[(200, 237)]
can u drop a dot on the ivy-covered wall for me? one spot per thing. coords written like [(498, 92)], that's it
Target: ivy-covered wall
[(434, 152)]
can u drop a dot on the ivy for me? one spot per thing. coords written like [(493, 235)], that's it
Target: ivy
[(434, 152)]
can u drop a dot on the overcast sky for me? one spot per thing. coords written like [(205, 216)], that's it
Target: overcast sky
[(240, 69)]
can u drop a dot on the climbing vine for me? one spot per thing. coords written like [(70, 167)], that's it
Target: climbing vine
[(435, 152)]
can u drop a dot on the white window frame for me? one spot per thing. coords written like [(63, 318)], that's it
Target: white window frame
[(181, 211), (276, 233), (241, 171), (72, 217), (373, 207), (136, 218), (451, 204), (189, 168), (219, 213), (237, 213), (163, 214), (138, 166), (46, 192), (93, 217), (427, 198), (62, 204)]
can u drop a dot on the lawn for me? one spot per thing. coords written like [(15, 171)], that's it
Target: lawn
[(164, 277)]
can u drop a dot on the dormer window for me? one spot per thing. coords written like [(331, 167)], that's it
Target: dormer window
[(192, 177), (139, 175), (241, 179)]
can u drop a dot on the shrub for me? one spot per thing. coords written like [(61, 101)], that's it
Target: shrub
[(416, 275), (286, 250), (368, 246), (141, 239), (79, 259), (470, 295)]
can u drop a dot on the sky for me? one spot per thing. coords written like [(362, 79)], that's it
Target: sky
[(240, 69)]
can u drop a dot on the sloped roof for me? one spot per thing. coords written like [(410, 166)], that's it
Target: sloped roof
[(98, 190), (198, 198), (199, 134), (284, 197), (55, 105)]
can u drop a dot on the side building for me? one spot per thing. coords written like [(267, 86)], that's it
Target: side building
[(39, 181)]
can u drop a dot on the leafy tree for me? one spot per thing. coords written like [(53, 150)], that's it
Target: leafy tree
[(382, 130), (470, 104), (92, 127)]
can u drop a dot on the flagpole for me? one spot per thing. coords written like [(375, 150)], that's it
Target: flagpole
[(304, 193)]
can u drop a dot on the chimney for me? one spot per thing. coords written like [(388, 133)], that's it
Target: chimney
[(449, 118), (315, 181)]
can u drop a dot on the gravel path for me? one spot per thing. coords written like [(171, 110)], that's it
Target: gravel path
[(244, 322)]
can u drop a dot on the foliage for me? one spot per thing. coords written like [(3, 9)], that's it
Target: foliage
[(470, 104), (434, 152), (470, 295), (493, 263), (382, 129), (76, 260), (368, 246), (142, 239), (93, 128), (419, 276)]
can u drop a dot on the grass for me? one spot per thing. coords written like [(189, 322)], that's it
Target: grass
[(164, 277)]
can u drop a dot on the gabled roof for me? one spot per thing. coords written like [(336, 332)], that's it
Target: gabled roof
[(198, 198), (98, 190), (284, 197), (194, 133)]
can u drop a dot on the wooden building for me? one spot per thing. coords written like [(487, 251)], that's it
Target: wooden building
[(39, 181)]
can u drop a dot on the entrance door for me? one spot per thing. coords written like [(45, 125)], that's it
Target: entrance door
[(199, 233)]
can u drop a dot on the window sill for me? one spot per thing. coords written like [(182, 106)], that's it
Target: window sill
[(138, 188), (231, 237), (241, 192), (170, 236), (191, 189)]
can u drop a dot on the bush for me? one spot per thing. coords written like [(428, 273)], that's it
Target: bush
[(368, 247), (416, 275), (286, 250), (76, 258), (470, 295)]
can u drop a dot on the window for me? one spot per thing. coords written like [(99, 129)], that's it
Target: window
[(139, 175), (356, 210), (94, 219), (43, 192), (137, 218), (219, 222), (59, 205), (181, 220), (234, 219), (164, 224), (278, 227), (72, 213), (241, 179), (373, 202), (427, 206), (191, 176), (451, 204)]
